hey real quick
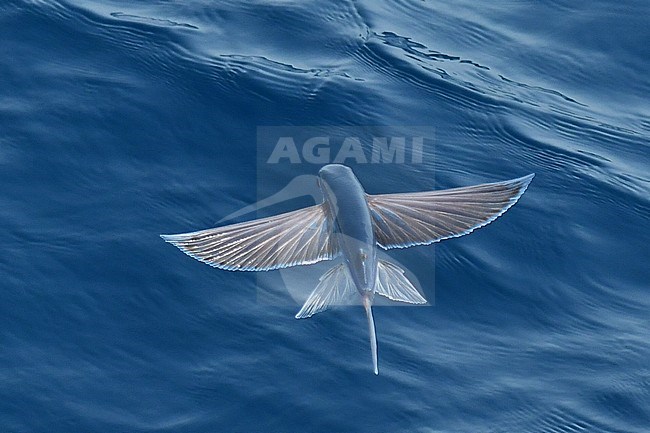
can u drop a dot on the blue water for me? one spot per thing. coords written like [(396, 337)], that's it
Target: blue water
[(122, 120)]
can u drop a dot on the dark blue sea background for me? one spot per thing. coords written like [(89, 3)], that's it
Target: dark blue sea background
[(121, 120)]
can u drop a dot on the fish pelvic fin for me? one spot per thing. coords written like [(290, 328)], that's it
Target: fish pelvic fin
[(367, 305), (334, 288), (393, 284)]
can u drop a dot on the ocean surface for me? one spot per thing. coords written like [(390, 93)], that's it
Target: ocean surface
[(122, 120)]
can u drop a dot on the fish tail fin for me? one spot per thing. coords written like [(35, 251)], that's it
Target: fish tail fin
[(367, 304)]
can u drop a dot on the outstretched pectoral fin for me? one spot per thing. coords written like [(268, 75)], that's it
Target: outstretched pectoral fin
[(393, 284), (420, 218), (293, 238), (334, 288)]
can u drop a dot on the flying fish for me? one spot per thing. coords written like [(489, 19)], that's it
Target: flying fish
[(351, 224)]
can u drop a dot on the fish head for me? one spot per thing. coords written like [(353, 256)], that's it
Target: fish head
[(330, 172), (335, 177)]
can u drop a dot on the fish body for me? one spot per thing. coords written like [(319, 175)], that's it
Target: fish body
[(348, 207), (346, 201)]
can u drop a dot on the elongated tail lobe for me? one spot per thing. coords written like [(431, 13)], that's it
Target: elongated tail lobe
[(367, 304), (336, 288)]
